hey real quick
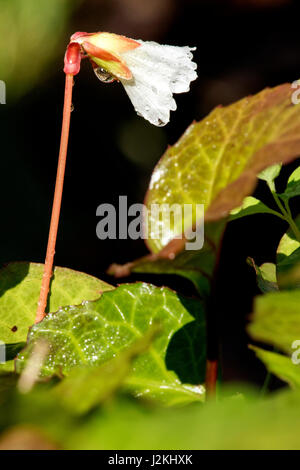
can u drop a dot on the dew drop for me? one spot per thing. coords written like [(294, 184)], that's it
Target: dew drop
[(103, 75)]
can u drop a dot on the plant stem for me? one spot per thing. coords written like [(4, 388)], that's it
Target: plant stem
[(40, 314), (286, 205), (287, 215)]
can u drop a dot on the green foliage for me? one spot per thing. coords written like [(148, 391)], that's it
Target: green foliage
[(85, 387), (95, 332), (233, 424), (19, 293), (216, 161), (111, 357), (237, 422), (250, 206)]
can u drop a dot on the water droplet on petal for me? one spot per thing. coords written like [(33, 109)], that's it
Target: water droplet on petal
[(103, 75)]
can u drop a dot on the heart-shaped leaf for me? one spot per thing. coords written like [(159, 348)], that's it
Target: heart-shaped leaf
[(95, 332), (19, 293)]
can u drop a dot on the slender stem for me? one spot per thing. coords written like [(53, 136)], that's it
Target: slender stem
[(286, 205), (57, 200), (287, 216)]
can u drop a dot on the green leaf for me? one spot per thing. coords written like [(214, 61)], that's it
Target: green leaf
[(270, 174), (86, 387), (250, 206), (19, 293), (280, 365), (95, 332), (276, 319), (293, 186), (288, 257), (216, 161), (265, 276)]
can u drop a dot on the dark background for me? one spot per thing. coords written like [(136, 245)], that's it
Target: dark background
[(242, 47)]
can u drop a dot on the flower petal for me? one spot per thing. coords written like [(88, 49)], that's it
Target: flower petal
[(158, 72), (107, 60)]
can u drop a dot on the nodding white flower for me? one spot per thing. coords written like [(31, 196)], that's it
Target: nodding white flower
[(149, 72)]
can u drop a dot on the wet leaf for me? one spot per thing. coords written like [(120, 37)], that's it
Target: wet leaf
[(85, 387), (215, 163), (217, 160), (95, 332), (19, 293)]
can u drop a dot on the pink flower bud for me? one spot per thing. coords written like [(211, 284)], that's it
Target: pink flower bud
[(72, 59)]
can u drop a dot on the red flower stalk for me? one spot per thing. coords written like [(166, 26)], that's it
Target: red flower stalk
[(72, 67)]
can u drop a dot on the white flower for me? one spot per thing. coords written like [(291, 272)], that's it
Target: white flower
[(149, 72), (158, 71)]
